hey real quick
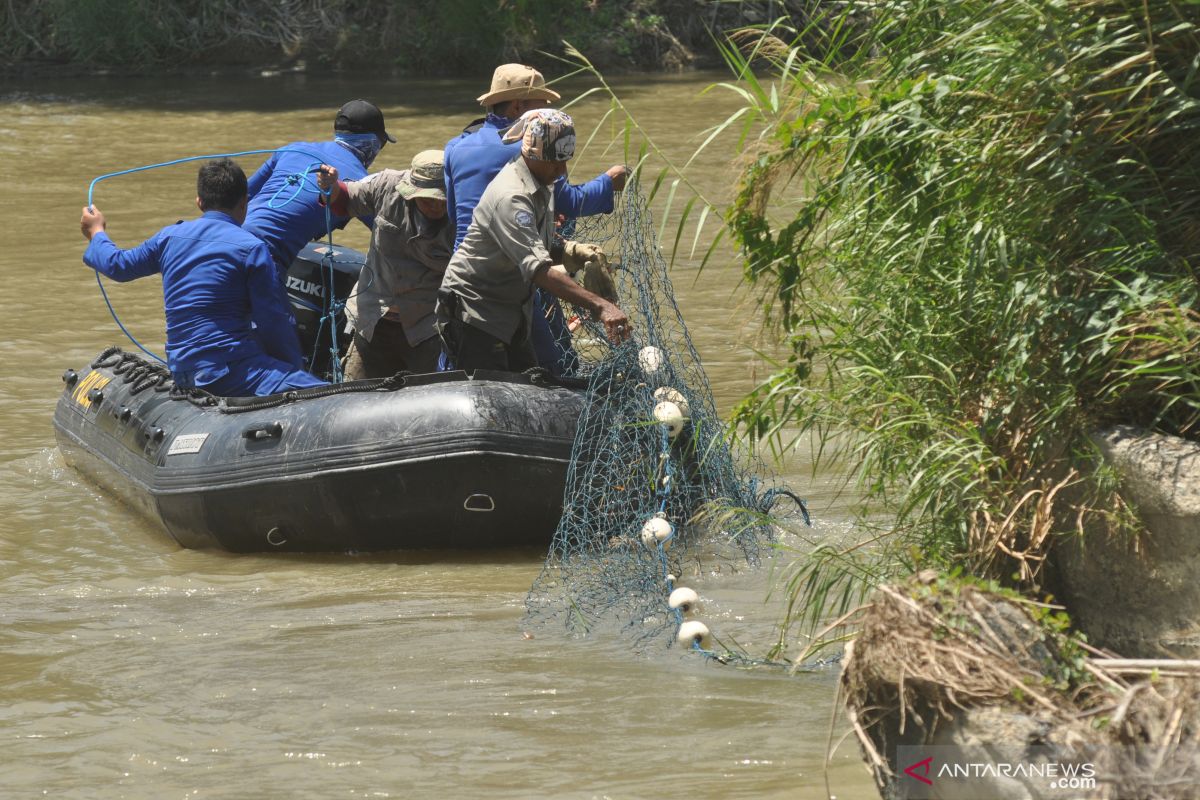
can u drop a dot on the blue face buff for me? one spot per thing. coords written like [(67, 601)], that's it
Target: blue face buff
[(364, 145)]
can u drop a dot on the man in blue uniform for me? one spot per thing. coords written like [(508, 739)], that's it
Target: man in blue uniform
[(477, 155), (285, 211), (230, 330)]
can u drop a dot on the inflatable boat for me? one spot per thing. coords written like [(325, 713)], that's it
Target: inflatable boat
[(444, 460)]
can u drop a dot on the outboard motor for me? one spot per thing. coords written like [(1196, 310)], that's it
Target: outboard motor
[(312, 284)]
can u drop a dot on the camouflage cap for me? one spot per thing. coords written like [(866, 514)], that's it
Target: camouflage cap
[(546, 134)]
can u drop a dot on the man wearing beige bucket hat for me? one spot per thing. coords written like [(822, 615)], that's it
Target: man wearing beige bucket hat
[(485, 308), (477, 155), (391, 308)]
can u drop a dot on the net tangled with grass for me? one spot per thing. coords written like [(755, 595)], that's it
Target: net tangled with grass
[(654, 489)]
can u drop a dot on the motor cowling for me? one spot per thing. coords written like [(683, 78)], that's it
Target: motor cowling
[(319, 281)]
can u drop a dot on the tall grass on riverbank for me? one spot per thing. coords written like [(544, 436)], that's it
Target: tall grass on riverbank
[(977, 226)]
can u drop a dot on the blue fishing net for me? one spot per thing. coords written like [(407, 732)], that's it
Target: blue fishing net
[(656, 488)]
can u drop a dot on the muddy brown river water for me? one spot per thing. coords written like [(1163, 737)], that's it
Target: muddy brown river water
[(131, 668)]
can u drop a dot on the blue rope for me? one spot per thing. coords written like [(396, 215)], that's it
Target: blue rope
[(112, 311), (297, 178), (92, 185), (334, 305)]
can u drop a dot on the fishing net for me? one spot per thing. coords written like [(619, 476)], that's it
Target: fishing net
[(655, 489)]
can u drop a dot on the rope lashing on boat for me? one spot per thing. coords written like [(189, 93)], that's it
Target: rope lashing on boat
[(238, 405), (133, 369), (298, 179), (540, 376)]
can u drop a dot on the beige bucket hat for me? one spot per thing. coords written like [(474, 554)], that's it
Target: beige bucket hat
[(517, 82), (427, 178)]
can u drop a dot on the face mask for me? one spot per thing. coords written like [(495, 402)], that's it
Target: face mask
[(364, 145)]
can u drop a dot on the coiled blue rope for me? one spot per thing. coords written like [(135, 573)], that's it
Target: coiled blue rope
[(297, 178)]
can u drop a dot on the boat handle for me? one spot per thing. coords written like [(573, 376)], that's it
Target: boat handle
[(267, 430), (475, 502)]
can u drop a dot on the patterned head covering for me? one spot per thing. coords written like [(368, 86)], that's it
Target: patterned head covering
[(546, 134), (364, 145)]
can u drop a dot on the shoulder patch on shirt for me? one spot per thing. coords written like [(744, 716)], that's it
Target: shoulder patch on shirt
[(523, 217)]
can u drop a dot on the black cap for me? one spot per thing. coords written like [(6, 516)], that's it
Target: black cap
[(359, 116)]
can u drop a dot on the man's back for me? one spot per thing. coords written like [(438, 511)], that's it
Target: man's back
[(205, 287), (287, 214), (217, 279), (473, 158)]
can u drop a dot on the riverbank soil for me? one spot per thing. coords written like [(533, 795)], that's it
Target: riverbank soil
[(959, 690), (1139, 595)]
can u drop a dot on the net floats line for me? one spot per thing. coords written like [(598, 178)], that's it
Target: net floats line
[(672, 413)]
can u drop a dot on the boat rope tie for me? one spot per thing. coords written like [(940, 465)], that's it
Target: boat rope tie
[(133, 370), (239, 405), (299, 181), (142, 374), (544, 378)]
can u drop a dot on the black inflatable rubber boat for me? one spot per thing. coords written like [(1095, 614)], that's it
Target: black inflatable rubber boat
[(413, 461), (417, 461)]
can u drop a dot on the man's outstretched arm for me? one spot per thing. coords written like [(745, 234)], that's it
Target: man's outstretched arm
[(105, 257)]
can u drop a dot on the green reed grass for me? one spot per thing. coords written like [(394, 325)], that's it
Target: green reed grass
[(977, 227)]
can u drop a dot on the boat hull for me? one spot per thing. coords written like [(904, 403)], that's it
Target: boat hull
[(444, 461)]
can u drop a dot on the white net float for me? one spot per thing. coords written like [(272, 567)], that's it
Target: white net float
[(693, 632), (669, 415), (673, 396), (657, 530), (650, 358), (684, 600)]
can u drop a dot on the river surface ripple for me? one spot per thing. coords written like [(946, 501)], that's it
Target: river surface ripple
[(130, 668)]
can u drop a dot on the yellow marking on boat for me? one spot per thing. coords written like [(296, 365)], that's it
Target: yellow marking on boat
[(93, 380)]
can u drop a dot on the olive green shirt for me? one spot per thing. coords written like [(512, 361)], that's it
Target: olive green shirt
[(506, 246), (405, 262)]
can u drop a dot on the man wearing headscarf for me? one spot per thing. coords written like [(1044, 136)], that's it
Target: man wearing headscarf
[(485, 305), (285, 209), (391, 306), (476, 156)]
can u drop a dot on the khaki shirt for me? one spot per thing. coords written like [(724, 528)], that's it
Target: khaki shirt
[(506, 246), (405, 263)]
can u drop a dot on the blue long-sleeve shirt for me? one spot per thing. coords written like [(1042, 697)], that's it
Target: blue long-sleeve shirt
[(217, 280), (474, 158), (297, 216)]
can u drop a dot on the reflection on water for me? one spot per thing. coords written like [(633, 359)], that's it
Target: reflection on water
[(132, 668)]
